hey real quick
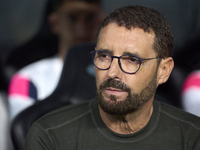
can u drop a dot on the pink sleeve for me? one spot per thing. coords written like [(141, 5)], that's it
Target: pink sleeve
[(193, 80), (22, 86)]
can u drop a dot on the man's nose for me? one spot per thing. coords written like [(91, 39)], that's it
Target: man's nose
[(114, 71)]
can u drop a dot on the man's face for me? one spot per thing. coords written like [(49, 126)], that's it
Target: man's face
[(78, 22), (119, 93)]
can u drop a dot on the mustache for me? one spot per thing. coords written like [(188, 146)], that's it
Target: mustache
[(114, 84)]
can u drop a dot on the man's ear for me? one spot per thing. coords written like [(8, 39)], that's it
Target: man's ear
[(165, 69), (53, 22)]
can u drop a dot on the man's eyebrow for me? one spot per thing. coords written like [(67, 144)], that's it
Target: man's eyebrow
[(130, 53), (106, 50), (124, 53)]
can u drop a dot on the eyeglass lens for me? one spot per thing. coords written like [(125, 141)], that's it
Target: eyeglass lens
[(127, 63)]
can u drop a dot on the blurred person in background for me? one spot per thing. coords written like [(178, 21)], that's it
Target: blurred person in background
[(74, 22), (191, 93), (5, 139)]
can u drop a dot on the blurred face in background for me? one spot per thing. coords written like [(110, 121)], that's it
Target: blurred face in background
[(76, 22)]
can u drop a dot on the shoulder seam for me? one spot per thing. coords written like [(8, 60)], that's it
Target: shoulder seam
[(37, 124), (66, 122), (180, 120)]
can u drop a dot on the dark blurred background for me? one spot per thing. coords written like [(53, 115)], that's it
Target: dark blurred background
[(20, 19)]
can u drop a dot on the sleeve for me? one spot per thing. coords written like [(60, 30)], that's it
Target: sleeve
[(21, 94), (38, 139)]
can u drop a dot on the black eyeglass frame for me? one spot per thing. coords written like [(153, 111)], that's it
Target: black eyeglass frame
[(140, 60)]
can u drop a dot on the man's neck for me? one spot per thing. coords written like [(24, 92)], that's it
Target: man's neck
[(129, 123)]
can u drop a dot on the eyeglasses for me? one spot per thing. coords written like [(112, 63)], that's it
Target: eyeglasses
[(128, 63)]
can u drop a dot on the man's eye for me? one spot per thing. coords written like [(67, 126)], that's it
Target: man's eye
[(130, 59), (102, 55), (133, 59)]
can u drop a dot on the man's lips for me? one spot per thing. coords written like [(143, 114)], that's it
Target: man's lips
[(113, 91)]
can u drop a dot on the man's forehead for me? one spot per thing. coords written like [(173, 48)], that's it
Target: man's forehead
[(122, 31), (114, 37), (114, 24)]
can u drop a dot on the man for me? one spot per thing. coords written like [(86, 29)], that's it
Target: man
[(74, 22), (132, 58)]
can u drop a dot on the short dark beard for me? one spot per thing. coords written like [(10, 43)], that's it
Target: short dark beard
[(131, 103)]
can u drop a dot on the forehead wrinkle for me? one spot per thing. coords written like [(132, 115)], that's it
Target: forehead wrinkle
[(138, 37), (111, 45), (134, 40)]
